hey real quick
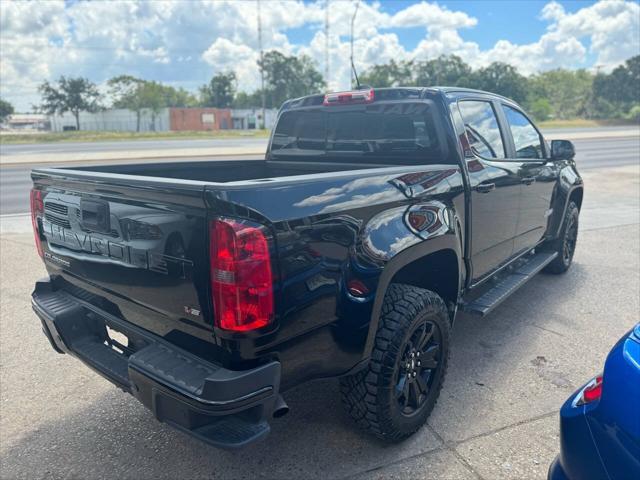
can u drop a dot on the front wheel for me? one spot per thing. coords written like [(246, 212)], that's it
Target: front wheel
[(395, 394), (565, 244)]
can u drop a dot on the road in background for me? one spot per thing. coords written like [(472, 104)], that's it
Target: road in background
[(7, 150), (126, 146), (15, 181)]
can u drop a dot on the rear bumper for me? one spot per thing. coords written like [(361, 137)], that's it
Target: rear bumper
[(222, 407)]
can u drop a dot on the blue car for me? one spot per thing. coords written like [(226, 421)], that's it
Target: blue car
[(600, 423)]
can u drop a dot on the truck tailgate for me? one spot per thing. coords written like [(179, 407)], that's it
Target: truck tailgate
[(135, 245)]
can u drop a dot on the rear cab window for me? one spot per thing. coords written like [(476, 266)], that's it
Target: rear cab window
[(385, 132)]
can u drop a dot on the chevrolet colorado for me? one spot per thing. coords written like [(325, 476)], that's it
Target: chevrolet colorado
[(207, 289)]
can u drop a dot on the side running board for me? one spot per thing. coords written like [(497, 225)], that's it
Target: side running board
[(509, 284)]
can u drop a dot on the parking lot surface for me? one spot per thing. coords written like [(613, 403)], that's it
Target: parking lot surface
[(497, 416)]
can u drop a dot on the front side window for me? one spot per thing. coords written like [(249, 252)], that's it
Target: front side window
[(482, 128), (525, 137)]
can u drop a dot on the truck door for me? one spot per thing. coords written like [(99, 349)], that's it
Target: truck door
[(525, 147), (495, 188)]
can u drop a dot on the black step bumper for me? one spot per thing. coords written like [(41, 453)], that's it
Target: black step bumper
[(222, 407)]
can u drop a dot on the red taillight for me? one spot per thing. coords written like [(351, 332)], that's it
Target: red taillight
[(590, 393), (241, 277), (37, 209), (342, 98)]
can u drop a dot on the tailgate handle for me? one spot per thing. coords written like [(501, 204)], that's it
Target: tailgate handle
[(94, 215)]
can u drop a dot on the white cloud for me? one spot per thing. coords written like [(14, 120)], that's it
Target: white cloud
[(424, 13), (610, 28), (184, 43)]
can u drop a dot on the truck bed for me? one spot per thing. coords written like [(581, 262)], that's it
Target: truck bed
[(225, 171)]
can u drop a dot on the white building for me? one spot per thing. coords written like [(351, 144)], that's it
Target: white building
[(117, 120), (27, 121), (251, 118)]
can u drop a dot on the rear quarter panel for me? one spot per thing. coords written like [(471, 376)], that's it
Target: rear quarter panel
[(615, 423), (330, 230)]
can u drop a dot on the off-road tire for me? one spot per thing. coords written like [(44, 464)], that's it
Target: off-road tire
[(563, 261), (369, 395)]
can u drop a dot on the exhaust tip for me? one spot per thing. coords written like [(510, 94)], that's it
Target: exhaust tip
[(281, 408)]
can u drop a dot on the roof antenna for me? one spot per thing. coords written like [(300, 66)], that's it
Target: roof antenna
[(355, 74), (353, 67)]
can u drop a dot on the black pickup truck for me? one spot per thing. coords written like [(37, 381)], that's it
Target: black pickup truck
[(207, 289)]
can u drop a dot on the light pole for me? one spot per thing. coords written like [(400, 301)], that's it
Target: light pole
[(326, 43), (353, 20), (264, 120)]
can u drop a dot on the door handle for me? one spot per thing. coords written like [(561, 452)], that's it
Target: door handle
[(528, 180), (486, 187)]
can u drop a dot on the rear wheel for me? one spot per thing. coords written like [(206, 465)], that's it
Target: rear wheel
[(395, 394), (565, 244)]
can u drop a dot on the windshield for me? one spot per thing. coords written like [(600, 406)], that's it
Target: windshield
[(379, 133)]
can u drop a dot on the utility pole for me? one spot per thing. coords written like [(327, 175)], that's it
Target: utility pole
[(353, 20), (326, 43), (264, 101)]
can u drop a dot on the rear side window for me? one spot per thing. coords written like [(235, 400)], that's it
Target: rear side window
[(525, 137), (482, 128), (378, 133)]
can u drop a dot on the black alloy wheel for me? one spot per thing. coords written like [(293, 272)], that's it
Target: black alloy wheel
[(418, 368)]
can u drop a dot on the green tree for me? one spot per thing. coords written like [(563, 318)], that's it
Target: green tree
[(6, 109), (220, 91), (178, 97), (634, 113), (70, 95), (390, 74), (501, 78), (247, 100), (153, 97), (567, 92), (541, 109), (448, 70), (139, 95), (289, 77), (621, 88), (125, 91)]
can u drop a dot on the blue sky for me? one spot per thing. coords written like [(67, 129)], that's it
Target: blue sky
[(183, 43), (519, 20)]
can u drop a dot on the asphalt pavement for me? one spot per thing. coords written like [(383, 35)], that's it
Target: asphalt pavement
[(126, 146), (176, 144), (497, 416), (15, 181)]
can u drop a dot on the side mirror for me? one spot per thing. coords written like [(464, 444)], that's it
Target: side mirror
[(562, 150)]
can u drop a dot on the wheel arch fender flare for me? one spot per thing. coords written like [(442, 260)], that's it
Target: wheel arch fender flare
[(562, 204), (449, 243)]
